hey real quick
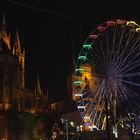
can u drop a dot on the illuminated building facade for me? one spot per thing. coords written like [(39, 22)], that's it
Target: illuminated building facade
[(13, 93), (12, 60)]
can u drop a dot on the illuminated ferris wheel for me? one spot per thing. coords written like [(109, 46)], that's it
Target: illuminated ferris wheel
[(108, 69)]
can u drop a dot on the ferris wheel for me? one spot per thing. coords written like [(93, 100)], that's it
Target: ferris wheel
[(108, 69)]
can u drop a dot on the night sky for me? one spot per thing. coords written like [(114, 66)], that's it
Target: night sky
[(51, 31)]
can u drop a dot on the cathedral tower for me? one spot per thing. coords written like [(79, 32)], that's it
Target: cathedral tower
[(20, 53), (4, 34), (12, 59)]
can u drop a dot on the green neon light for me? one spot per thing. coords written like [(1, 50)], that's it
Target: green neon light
[(79, 70), (82, 57), (87, 46), (78, 82)]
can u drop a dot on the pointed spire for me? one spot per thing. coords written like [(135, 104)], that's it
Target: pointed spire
[(3, 26), (38, 86), (4, 33), (17, 44)]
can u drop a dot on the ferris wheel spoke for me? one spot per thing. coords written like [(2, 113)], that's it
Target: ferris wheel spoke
[(107, 47), (92, 103), (114, 38), (127, 100), (131, 83), (132, 104), (103, 56), (97, 98), (111, 57), (122, 93), (88, 111), (121, 38), (134, 66), (89, 106), (95, 116), (101, 61), (119, 101), (97, 66), (86, 91), (134, 95), (133, 98), (107, 50), (131, 65), (112, 47), (122, 66), (130, 53), (121, 57), (129, 39), (133, 61), (134, 57), (99, 118), (128, 67), (118, 49), (130, 75)]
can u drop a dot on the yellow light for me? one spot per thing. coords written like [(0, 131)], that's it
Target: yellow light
[(131, 23), (7, 106), (87, 117), (78, 95), (137, 29), (72, 124), (104, 123), (81, 127), (81, 107)]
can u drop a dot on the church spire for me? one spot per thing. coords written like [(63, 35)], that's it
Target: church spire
[(4, 34), (17, 45), (38, 86), (20, 53), (3, 27)]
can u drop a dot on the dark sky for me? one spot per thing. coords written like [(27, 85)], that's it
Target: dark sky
[(53, 29)]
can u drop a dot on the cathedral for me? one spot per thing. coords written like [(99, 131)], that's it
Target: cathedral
[(19, 105), (13, 93)]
